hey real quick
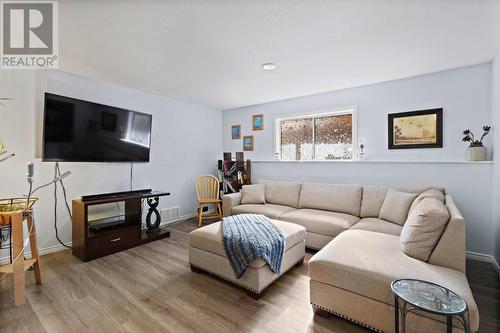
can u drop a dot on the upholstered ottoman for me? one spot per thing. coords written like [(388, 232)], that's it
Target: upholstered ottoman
[(206, 253)]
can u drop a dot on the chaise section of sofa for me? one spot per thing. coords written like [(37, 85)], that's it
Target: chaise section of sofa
[(351, 276)]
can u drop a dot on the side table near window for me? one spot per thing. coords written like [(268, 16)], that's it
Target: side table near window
[(412, 295)]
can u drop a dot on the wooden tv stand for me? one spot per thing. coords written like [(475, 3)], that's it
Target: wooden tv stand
[(99, 237)]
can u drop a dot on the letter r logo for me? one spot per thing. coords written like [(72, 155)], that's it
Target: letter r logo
[(27, 28)]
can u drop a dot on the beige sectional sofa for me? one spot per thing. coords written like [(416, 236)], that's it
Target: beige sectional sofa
[(360, 251)]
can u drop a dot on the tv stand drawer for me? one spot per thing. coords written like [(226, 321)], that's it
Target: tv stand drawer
[(102, 245)]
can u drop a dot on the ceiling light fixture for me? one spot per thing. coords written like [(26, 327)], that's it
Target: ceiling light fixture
[(269, 66)]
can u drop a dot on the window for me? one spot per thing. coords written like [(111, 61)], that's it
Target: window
[(320, 136)]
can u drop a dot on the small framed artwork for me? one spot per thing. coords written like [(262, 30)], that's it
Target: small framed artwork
[(258, 122), (416, 129), (248, 143), (236, 132)]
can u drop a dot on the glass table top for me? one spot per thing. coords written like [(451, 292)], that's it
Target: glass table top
[(429, 296)]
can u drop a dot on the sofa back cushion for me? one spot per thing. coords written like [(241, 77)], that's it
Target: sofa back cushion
[(373, 198), (335, 198), (424, 228), (430, 193), (282, 193), (253, 194), (396, 206)]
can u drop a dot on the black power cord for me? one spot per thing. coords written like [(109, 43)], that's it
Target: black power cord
[(57, 172), (64, 192)]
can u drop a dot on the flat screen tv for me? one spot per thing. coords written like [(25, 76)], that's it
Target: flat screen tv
[(81, 131)]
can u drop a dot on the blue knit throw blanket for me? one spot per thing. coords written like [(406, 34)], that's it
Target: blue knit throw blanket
[(250, 236)]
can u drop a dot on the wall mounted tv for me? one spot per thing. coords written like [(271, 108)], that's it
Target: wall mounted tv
[(81, 131)]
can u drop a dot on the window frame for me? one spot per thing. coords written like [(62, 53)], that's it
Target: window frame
[(337, 111)]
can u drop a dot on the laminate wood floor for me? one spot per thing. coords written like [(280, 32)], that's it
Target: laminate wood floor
[(151, 289)]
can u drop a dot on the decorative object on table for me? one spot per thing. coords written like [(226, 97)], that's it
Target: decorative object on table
[(412, 295), (248, 143), (236, 132), (362, 148), (153, 204), (258, 122), (234, 174), (16, 204), (416, 129), (476, 151), (207, 190), (14, 212)]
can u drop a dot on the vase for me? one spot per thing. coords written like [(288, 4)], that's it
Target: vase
[(476, 152)]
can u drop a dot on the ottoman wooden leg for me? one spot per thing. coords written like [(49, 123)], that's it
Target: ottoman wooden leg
[(254, 295), (320, 312)]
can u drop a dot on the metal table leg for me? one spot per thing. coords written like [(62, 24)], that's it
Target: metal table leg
[(403, 316), (465, 320), (396, 314)]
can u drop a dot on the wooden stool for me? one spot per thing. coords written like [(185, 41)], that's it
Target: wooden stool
[(20, 265)]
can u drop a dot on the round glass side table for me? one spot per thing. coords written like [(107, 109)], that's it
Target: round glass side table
[(412, 295)]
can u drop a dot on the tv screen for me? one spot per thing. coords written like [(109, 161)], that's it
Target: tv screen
[(81, 131)]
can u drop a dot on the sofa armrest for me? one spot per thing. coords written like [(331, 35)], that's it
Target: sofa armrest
[(450, 250), (229, 201)]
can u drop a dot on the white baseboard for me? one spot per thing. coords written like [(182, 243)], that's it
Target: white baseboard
[(483, 257), (41, 251), (178, 219)]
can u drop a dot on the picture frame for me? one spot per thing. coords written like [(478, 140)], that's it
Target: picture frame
[(248, 143), (236, 132), (416, 129), (258, 122)]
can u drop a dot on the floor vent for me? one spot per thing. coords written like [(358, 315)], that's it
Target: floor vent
[(170, 213)]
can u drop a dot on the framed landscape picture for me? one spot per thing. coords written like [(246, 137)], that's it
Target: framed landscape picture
[(236, 132), (248, 143), (258, 122), (416, 129)]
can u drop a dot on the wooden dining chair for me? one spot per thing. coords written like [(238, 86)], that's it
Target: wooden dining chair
[(207, 189)]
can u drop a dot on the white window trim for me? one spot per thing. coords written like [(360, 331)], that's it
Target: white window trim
[(352, 110)]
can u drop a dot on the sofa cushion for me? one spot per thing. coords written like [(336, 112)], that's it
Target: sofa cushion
[(377, 225), (369, 267), (321, 221), (372, 200), (430, 193), (282, 193), (270, 210), (209, 238), (396, 206), (336, 198), (423, 228), (253, 194)]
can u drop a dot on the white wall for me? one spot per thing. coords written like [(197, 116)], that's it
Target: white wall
[(186, 141), (463, 93), (495, 110)]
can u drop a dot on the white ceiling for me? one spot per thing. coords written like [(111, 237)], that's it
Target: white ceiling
[(210, 52)]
